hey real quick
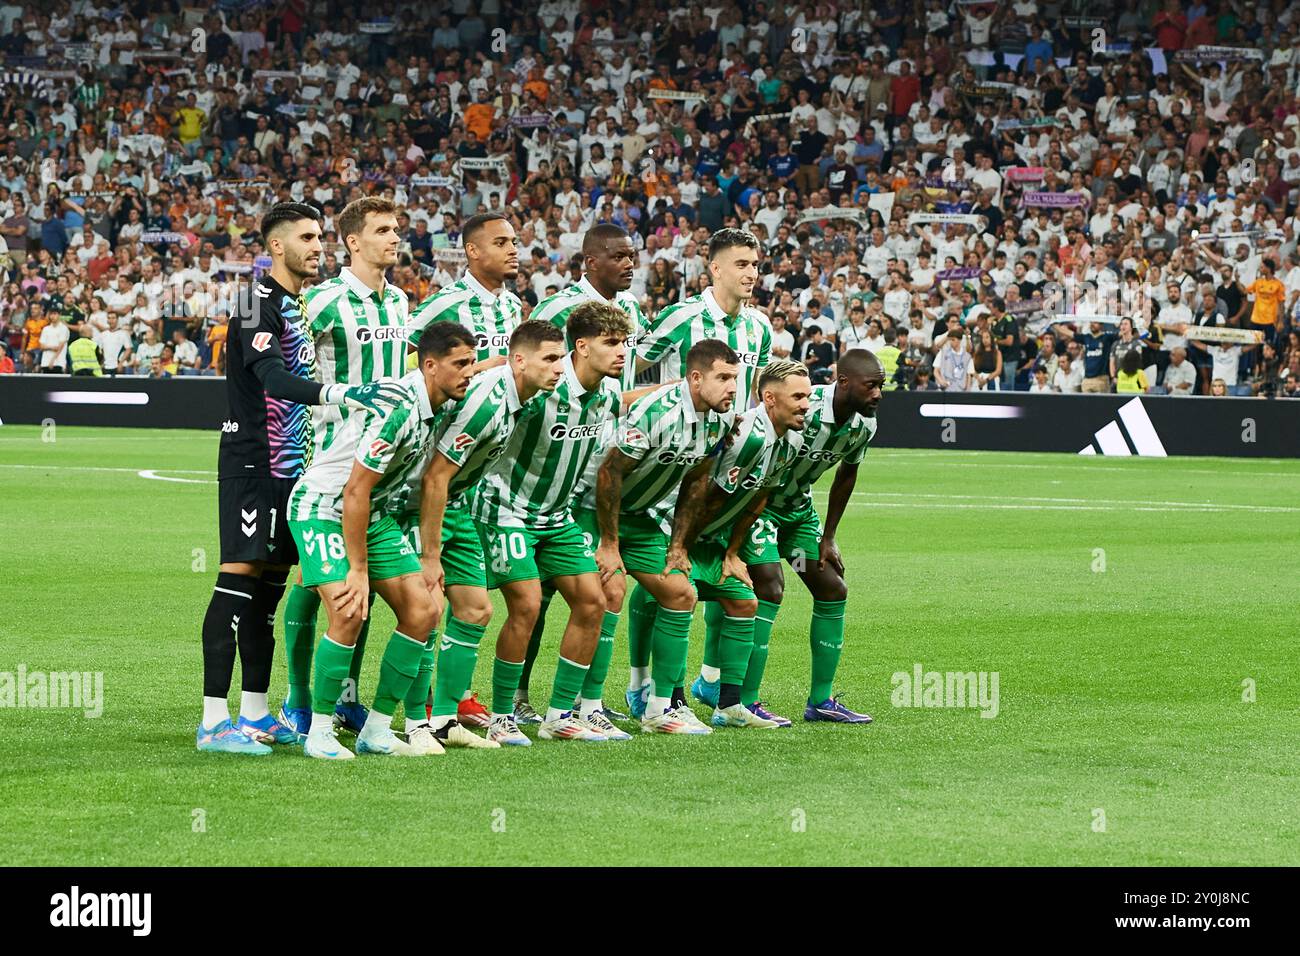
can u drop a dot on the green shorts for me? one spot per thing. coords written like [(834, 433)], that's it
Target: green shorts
[(533, 554), (462, 552), (323, 559), (706, 568), (794, 535), (641, 541)]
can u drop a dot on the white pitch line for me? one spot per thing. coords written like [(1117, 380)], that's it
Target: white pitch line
[(1084, 501), (188, 481), (132, 471)]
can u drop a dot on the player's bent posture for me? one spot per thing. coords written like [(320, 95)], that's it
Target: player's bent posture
[(484, 302), (762, 451), (523, 516), (265, 443), (341, 518), (720, 312), (609, 258), (670, 436), (468, 441), (357, 321), (840, 423)]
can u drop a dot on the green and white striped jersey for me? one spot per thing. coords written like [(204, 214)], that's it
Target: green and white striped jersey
[(755, 460), (491, 318), (666, 437), (673, 331), (532, 483), (825, 444), (557, 308), (360, 336), (393, 443)]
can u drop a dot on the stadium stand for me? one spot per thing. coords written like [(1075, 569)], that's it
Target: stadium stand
[(1105, 159)]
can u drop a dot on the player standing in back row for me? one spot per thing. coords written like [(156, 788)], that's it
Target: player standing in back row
[(357, 321), (721, 312), (265, 444), (482, 302), (609, 258)]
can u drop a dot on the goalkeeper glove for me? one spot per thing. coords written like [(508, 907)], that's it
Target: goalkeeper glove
[(380, 396)]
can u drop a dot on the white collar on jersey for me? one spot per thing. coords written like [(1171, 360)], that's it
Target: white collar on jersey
[(575, 387), (688, 406), (828, 397), (415, 378), (712, 304), (590, 290), (512, 394), (479, 289), (360, 288)]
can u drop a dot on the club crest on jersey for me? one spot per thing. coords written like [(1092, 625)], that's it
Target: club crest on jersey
[(564, 432), (462, 441), (378, 447), (261, 341), (390, 333)]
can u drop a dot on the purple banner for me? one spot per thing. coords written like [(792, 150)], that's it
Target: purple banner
[(972, 272), (1053, 199)]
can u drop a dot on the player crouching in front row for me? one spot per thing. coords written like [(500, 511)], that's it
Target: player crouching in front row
[(350, 543)]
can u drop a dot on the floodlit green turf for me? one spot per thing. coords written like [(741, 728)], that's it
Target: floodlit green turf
[(1120, 690)]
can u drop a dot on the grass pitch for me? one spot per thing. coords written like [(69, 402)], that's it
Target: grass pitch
[(1140, 615)]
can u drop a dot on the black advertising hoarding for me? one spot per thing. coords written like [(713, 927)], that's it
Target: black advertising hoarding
[(988, 421)]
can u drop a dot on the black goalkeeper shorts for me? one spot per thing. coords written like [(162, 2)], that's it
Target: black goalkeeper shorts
[(253, 514)]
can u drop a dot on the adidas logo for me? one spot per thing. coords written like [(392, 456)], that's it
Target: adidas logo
[(1131, 434)]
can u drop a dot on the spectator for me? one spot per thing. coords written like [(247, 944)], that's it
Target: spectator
[(1040, 383), (185, 353), (953, 370), (115, 347), (818, 355), (986, 362), (782, 340), (54, 345), (1069, 376), (1180, 376)]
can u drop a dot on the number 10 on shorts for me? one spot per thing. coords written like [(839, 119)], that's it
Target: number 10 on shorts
[(509, 544)]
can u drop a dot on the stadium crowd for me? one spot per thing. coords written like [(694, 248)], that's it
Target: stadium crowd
[(1132, 161)]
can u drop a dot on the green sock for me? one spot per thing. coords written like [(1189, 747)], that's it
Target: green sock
[(641, 612), (352, 689), (418, 695), (397, 668), (332, 661), (713, 617), (736, 642), (568, 683), (826, 636), (593, 688), (505, 681), (671, 641), (758, 656), (535, 639), (457, 655), (299, 638)]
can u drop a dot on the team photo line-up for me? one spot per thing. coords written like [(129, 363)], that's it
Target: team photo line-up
[(425, 455)]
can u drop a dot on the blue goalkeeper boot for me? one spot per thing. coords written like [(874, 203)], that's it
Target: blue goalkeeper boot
[(225, 739), (705, 691)]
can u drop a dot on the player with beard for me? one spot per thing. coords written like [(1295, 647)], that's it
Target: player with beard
[(357, 321), (482, 302), (840, 423), (609, 258), (265, 443)]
